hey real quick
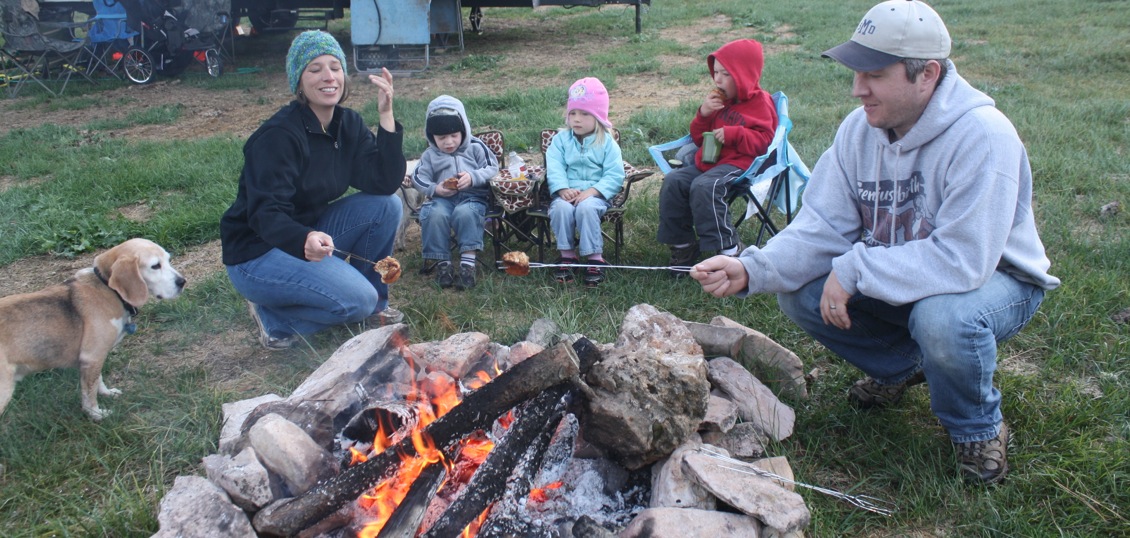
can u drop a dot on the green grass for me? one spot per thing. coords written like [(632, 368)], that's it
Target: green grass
[(1057, 69)]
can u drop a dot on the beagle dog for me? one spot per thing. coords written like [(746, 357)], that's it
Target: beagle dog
[(77, 323)]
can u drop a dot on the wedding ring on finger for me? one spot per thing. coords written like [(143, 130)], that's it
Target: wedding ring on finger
[(833, 307)]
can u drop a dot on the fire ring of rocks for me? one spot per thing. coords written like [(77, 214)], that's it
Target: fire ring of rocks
[(554, 436)]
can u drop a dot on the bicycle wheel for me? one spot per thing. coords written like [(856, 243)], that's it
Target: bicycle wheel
[(214, 62), (138, 65)]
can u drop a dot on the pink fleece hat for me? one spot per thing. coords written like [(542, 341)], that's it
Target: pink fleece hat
[(589, 95)]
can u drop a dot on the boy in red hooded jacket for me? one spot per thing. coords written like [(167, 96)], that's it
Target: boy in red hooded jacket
[(693, 215)]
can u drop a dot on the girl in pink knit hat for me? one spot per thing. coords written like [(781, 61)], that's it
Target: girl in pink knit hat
[(584, 170)]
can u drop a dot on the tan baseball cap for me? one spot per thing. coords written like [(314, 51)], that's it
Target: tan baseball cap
[(891, 31)]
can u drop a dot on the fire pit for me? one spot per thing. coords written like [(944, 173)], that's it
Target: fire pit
[(553, 436)]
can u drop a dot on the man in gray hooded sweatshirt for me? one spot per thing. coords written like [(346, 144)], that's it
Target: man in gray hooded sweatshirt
[(916, 251)]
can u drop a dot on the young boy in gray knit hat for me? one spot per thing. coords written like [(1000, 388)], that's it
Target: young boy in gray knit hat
[(289, 236)]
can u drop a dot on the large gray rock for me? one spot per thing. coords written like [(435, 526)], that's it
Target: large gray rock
[(197, 508), (454, 356), (235, 413), (286, 450), (670, 486), (774, 364), (754, 495), (756, 403), (691, 523), (243, 477), (649, 392)]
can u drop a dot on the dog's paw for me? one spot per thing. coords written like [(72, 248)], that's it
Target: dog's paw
[(113, 393), (97, 414)]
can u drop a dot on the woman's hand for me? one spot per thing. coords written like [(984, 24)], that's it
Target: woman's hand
[(383, 82), (318, 246), (721, 276)]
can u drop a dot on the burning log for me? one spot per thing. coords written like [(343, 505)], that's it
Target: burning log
[(405, 521), (550, 448), (478, 410), (539, 416)]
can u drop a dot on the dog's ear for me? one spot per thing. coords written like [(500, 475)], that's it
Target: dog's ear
[(125, 278)]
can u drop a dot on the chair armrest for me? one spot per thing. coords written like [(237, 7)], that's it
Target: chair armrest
[(657, 151)]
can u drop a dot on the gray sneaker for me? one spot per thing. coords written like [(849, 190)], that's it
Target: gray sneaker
[(465, 280), (445, 274), (388, 316), (271, 343), (869, 394), (985, 462)]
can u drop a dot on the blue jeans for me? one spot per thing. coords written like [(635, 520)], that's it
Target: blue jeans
[(439, 216), (951, 338), (302, 297), (583, 218)]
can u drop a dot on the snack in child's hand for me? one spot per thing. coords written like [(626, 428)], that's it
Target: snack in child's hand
[(451, 183), (719, 92), (516, 263), (389, 269)]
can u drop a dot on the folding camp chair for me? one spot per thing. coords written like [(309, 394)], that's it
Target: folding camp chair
[(519, 210), (617, 205), (775, 179), (110, 39), (39, 52)]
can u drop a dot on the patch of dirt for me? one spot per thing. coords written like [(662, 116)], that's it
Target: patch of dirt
[(232, 355)]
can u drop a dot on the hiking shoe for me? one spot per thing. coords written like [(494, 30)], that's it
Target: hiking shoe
[(564, 275), (739, 246), (984, 462), (868, 393), (683, 257), (388, 316), (445, 274), (271, 343), (594, 275), (466, 278)]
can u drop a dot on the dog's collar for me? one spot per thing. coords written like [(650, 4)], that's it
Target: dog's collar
[(130, 309)]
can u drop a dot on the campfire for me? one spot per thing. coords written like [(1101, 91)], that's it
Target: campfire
[(552, 436)]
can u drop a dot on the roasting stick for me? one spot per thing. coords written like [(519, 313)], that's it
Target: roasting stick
[(866, 502), (538, 265), (349, 255)]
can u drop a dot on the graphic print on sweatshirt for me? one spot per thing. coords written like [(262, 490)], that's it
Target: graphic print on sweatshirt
[(894, 211)]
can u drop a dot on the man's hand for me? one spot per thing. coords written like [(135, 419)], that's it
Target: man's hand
[(318, 246), (721, 276), (833, 303)]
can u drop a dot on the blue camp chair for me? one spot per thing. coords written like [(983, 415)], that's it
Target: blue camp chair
[(110, 37), (775, 179)]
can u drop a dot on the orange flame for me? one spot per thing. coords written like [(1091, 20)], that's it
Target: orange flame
[(433, 398)]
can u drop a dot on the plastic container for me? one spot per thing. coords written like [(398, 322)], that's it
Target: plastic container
[(710, 148), (517, 166)]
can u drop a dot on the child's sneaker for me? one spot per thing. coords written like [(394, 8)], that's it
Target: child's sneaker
[(564, 275), (594, 275), (445, 275), (683, 257), (466, 278)]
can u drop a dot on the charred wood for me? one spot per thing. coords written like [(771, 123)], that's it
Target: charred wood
[(405, 520), (478, 410), (538, 418)]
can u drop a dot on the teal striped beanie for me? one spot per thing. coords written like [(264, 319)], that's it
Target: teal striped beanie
[(307, 46)]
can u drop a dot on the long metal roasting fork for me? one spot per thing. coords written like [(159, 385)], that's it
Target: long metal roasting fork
[(539, 265), (866, 502)]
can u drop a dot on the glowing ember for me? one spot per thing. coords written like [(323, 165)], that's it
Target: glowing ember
[(540, 495)]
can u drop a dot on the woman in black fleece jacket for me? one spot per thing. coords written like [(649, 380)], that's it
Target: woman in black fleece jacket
[(281, 234)]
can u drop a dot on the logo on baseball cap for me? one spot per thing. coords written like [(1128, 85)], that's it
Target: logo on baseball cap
[(891, 31)]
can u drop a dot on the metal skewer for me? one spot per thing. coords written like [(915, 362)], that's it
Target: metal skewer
[(866, 502), (539, 265)]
